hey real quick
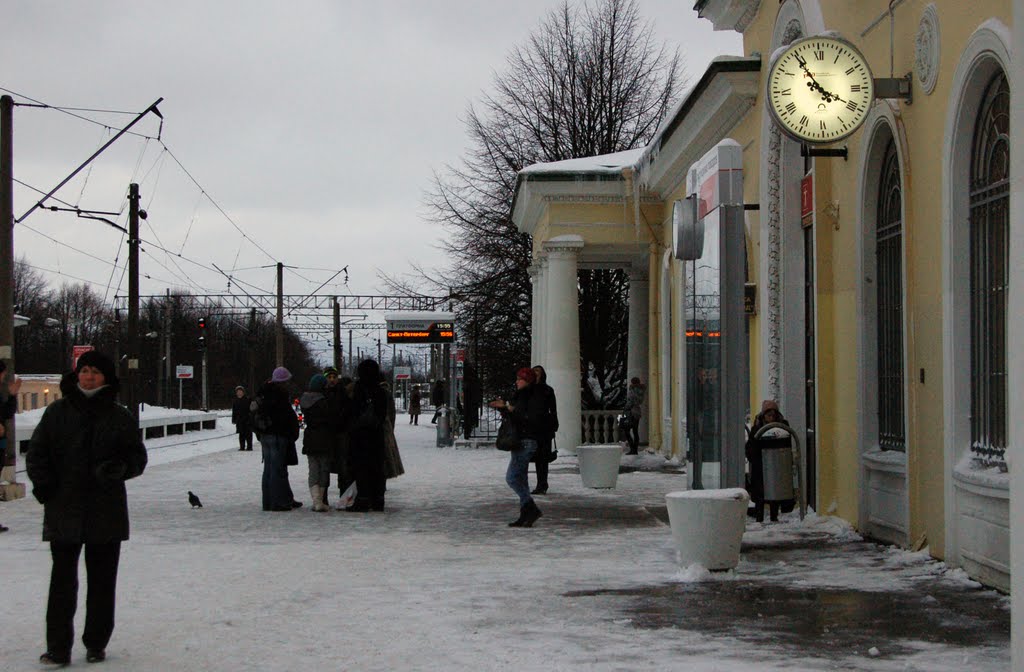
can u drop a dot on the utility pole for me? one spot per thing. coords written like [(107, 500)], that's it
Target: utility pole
[(280, 315), (133, 300), (251, 340), (8, 460), (337, 334), (379, 362), (350, 370), (166, 386)]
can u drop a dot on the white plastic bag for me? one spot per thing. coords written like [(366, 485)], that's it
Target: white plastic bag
[(348, 498)]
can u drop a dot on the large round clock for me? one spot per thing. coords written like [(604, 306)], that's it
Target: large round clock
[(820, 89)]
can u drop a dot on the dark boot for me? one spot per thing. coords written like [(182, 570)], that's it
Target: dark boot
[(531, 513), (518, 522)]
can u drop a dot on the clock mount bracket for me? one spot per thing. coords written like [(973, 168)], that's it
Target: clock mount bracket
[(895, 87)]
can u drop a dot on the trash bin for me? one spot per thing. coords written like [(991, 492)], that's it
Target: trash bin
[(772, 463), (444, 429), (776, 465)]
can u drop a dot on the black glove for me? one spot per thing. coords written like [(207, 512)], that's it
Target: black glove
[(111, 471)]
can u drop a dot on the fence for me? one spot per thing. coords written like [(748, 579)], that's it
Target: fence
[(599, 426)]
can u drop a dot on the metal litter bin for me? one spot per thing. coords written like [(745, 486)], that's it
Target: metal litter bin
[(779, 467), (444, 428), (776, 465)]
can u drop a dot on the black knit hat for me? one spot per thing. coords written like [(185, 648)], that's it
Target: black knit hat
[(99, 361)]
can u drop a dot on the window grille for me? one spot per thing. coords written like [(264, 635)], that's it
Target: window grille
[(889, 272), (989, 258)]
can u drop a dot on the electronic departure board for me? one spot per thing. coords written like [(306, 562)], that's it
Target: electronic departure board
[(425, 330)]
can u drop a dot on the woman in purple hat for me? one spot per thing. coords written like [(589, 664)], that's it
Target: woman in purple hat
[(278, 431)]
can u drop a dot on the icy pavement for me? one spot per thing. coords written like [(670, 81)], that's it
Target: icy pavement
[(439, 582)]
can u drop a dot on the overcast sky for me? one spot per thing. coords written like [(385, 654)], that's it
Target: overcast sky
[(315, 125)]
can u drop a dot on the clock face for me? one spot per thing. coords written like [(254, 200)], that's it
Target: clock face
[(820, 89)]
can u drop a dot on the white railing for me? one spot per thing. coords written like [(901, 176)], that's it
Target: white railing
[(599, 426)]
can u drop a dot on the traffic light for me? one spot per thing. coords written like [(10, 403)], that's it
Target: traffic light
[(202, 324), (202, 333)]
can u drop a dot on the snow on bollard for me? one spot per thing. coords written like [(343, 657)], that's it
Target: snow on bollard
[(599, 464), (707, 526)]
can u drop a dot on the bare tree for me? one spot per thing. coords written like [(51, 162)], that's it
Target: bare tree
[(590, 80)]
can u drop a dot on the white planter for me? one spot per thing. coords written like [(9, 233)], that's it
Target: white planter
[(707, 526), (599, 464)]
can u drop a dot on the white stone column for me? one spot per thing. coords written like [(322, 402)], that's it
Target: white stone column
[(562, 325), (637, 362), (534, 271), (542, 313)]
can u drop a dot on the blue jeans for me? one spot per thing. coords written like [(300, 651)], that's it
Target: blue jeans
[(518, 468), (277, 492)]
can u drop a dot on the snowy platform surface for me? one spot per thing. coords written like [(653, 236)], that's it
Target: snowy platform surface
[(439, 582)]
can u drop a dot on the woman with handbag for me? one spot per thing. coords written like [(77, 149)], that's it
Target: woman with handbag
[(524, 413)]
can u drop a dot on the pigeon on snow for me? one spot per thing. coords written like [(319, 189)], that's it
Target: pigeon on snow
[(193, 500)]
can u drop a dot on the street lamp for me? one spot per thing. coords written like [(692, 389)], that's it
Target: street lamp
[(53, 323)]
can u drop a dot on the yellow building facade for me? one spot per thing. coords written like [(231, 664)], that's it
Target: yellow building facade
[(877, 278)]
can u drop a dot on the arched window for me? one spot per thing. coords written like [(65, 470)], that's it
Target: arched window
[(889, 265), (989, 257)]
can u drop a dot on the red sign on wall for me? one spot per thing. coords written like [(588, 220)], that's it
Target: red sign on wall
[(807, 195), (76, 352)]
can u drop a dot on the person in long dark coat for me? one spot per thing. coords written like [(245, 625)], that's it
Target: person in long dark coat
[(240, 418), (546, 436), (278, 441), (84, 448), (414, 406), (318, 440), (367, 413)]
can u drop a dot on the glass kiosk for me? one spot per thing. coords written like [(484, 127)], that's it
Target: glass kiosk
[(708, 236)]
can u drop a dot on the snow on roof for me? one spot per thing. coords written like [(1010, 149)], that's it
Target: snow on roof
[(605, 163)]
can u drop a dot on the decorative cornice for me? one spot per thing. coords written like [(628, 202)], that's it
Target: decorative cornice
[(569, 243), (729, 14)]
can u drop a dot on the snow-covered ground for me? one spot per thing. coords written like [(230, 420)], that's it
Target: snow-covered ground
[(439, 582)]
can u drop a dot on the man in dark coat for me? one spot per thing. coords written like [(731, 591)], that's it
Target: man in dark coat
[(82, 451), (240, 418), (277, 441), (437, 395)]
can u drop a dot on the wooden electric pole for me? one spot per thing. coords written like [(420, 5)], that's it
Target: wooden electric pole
[(337, 334), (133, 300), (279, 332), (8, 460)]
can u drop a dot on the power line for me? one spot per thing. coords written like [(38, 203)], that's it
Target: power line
[(67, 111), (215, 203), (66, 275)]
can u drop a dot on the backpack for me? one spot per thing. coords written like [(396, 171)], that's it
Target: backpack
[(261, 421), (366, 417)]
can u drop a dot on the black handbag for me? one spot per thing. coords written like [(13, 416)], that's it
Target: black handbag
[(508, 435), (553, 455), (292, 456)]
